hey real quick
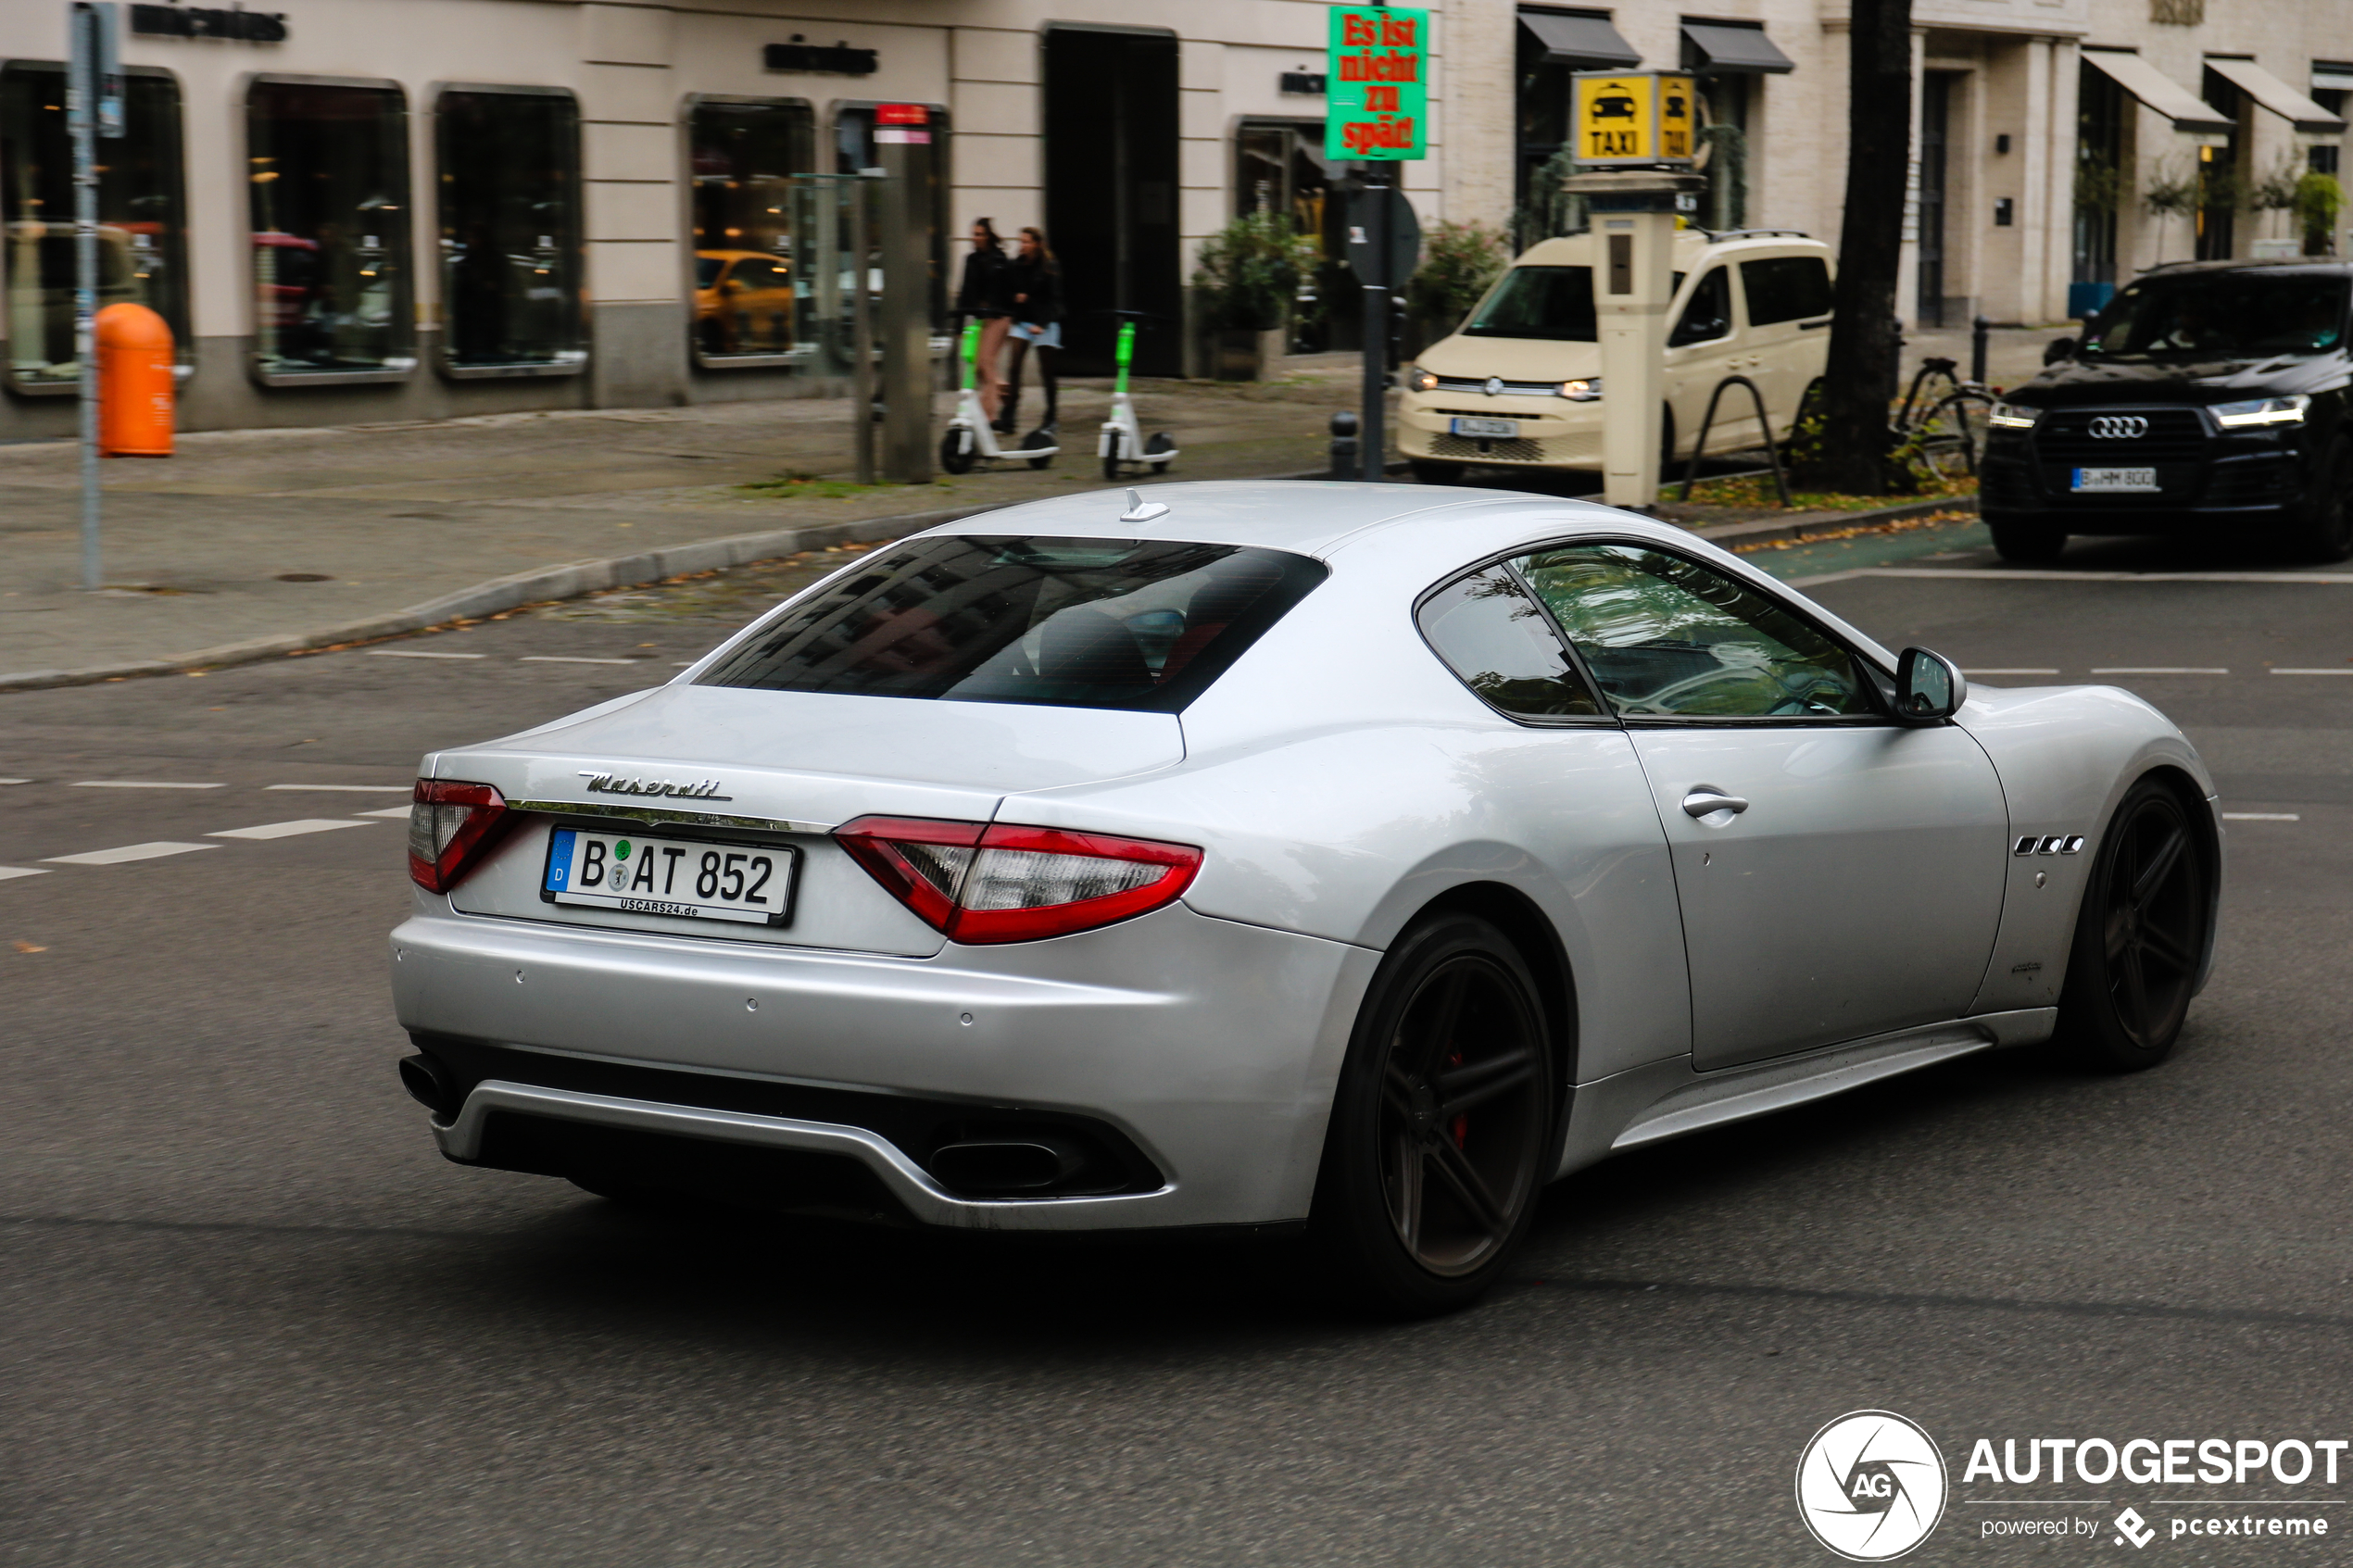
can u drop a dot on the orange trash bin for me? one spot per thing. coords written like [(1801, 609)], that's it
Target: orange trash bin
[(135, 388)]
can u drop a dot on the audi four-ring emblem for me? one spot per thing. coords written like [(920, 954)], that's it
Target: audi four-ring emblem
[(2120, 427)]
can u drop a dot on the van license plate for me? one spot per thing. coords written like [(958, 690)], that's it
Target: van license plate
[(2112, 480), (690, 878), (1490, 429)]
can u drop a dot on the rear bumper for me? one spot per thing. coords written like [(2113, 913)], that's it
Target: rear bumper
[(1210, 1047)]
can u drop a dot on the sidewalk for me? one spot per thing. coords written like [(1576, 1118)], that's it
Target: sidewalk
[(255, 541)]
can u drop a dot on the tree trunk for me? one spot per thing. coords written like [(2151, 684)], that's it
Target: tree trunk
[(1861, 377)]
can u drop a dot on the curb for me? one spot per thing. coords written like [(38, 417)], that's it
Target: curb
[(1774, 531)]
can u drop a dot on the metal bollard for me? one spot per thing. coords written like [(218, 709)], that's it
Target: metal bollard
[(1979, 331), (1343, 451)]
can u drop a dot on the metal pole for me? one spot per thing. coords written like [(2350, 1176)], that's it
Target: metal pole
[(906, 321), (862, 328), (1374, 447), (81, 107), (1978, 329)]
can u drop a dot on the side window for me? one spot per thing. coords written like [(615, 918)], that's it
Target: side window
[(1785, 288), (1710, 314), (1491, 634), (1668, 637)]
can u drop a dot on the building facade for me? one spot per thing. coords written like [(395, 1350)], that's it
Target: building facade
[(350, 212)]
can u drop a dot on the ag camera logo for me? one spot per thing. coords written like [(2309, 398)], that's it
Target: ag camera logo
[(1871, 1485)]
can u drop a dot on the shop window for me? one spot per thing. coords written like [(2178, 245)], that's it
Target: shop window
[(854, 150), (329, 174), (744, 154), (511, 252), (1279, 167), (142, 235)]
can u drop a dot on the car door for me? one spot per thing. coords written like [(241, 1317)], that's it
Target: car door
[(1788, 302), (1701, 350), (1839, 874)]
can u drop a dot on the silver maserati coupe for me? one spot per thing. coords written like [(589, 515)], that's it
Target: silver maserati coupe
[(1347, 859)]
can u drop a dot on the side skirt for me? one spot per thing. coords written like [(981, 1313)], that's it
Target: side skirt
[(1665, 1099)]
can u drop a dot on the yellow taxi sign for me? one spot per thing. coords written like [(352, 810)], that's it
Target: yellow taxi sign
[(1634, 117)]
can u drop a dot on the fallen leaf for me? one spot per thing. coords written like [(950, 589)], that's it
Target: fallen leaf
[(30, 948)]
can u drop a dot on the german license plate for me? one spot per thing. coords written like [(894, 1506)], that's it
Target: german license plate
[(2115, 479), (1488, 428), (692, 878)]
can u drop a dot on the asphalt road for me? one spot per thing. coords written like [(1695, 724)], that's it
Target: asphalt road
[(251, 1317)]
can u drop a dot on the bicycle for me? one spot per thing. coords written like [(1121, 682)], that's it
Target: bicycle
[(1941, 425)]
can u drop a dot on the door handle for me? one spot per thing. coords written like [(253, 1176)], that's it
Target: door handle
[(1706, 800)]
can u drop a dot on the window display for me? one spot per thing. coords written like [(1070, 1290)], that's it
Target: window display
[(510, 254), (142, 238), (330, 181), (748, 293)]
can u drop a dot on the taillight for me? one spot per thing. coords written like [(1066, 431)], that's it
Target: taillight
[(451, 825), (977, 883)]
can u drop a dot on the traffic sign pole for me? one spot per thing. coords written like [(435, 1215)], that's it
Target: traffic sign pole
[(1378, 99), (1373, 445), (93, 108)]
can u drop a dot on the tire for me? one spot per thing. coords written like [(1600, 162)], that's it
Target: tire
[(2140, 936), (1037, 438), (1420, 1210), (1952, 434), (1666, 444), (1437, 473), (956, 452), (1161, 441), (2029, 544), (2325, 533)]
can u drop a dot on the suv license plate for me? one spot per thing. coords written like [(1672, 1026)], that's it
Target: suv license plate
[(1488, 428), (2115, 479), (688, 877)]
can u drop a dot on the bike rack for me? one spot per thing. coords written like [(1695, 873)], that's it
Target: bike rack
[(1764, 423)]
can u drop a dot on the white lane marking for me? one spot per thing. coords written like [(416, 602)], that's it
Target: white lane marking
[(351, 789), (287, 830), (2000, 573), (387, 811), (2260, 817), (2009, 671), (682, 664), (2155, 670), (2348, 670), (7, 872), (561, 658), (127, 852), (138, 783), (15, 780), (418, 653)]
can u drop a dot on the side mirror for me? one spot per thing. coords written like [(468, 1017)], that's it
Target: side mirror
[(2058, 348), (1929, 687)]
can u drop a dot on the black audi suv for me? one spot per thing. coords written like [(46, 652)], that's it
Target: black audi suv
[(2208, 398)]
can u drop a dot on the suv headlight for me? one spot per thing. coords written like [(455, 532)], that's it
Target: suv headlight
[(2013, 416), (2259, 411), (1419, 380), (1584, 389)]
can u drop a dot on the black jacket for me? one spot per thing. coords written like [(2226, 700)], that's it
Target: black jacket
[(1040, 278), (985, 293)]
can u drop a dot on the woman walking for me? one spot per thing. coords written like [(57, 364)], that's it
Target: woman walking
[(985, 296), (1037, 289)]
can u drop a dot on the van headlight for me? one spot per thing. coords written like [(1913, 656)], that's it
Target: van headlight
[(2013, 416), (1584, 389), (1419, 380), (2256, 412)]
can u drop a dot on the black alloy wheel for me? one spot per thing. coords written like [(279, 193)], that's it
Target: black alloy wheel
[(1443, 1122), (2140, 936), (2029, 544), (2326, 533)]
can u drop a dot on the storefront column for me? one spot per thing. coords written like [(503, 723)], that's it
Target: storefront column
[(1907, 271), (2034, 236), (1479, 38), (1203, 165), (629, 155), (2058, 261)]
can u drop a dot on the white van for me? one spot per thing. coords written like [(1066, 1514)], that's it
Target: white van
[(1518, 384)]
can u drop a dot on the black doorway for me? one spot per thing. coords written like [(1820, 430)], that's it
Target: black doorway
[(1111, 192), (1937, 115)]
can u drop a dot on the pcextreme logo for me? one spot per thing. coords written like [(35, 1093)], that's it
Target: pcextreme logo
[(1871, 1485)]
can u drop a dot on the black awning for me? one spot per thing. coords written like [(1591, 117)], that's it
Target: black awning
[(1715, 47), (1581, 43)]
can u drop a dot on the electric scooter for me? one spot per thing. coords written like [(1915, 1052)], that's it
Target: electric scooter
[(1123, 440), (969, 438)]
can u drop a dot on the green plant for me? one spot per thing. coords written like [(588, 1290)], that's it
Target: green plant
[(1549, 212), (1459, 261), (2100, 184), (2169, 194), (2318, 198), (2275, 192), (1247, 273), (1724, 160)]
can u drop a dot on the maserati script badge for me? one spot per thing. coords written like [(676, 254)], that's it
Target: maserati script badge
[(609, 784)]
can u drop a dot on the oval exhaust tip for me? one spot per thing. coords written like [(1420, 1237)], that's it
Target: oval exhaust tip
[(1006, 1165), (429, 1084)]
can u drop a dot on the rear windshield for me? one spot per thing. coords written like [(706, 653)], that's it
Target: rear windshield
[(2222, 315), (1549, 302), (1139, 624)]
